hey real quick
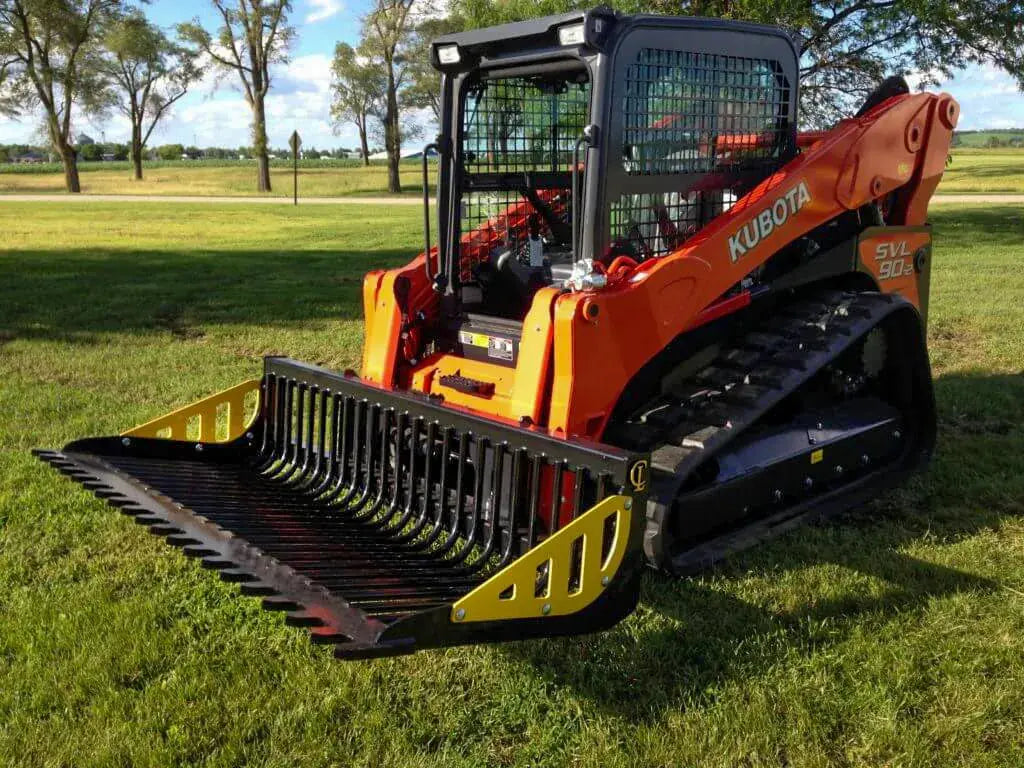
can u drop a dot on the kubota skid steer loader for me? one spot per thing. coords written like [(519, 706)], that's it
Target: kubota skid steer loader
[(658, 324)]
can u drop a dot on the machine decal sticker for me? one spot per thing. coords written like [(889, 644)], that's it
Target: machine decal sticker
[(767, 221), (502, 349), (638, 476), (496, 346), (894, 260)]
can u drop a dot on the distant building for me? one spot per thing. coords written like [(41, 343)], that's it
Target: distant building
[(30, 158), (405, 154)]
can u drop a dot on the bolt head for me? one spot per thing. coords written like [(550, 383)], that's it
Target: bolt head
[(460, 614), (125, 442), (605, 581), (808, 483), (839, 469), (896, 434), (546, 609), (777, 495), (248, 435), (629, 504), (199, 447), (865, 459)]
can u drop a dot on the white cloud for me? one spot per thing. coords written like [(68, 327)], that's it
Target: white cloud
[(323, 9)]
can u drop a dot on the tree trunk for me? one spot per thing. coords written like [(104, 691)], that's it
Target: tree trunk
[(69, 158), (137, 152), (259, 145), (392, 139), (365, 146)]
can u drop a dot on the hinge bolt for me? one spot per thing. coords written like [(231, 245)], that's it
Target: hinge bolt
[(460, 614), (546, 609)]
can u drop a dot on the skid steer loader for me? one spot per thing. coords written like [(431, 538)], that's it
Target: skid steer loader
[(658, 324)]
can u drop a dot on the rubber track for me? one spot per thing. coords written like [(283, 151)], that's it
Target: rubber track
[(745, 380)]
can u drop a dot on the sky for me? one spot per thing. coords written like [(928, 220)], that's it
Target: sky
[(215, 114)]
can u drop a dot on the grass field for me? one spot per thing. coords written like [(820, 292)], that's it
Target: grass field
[(892, 636), (984, 171), (201, 178), (971, 171)]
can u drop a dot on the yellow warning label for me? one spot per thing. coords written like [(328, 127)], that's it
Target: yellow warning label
[(817, 456), (475, 339)]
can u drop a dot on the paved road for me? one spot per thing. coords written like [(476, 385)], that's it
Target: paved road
[(59, 198)]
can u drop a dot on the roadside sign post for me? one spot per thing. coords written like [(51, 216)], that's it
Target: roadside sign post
[(296, 144)]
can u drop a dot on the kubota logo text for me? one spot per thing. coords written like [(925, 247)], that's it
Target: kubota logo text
[(767, 221)]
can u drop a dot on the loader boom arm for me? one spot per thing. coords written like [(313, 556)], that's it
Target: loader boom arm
[(603, 338)]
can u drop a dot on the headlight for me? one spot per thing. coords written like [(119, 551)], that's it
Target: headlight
[(572, 34), (448, 54)]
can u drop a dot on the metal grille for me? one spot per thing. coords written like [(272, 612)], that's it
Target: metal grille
[(517, 132), (698, 112), (352, 514), (522, 124), (649, 225)]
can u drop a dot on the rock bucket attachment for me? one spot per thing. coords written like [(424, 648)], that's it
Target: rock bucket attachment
[(384, 522)]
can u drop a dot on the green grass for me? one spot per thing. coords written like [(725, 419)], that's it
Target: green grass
[(981, 171), (892, 636), (971, 171), (316, 178), (979, 139)]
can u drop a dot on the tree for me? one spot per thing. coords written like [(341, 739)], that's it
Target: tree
[(150, 73), (846, 46), (170, 151), (388, 41), (254, 35), (358, 88), (50, 57), (424, 89)]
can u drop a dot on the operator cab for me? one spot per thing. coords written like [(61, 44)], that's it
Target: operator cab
[(573, 141)]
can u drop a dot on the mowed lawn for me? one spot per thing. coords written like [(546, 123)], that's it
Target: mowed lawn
[(893, 635), (982, 171), (200, 178), (970, 171)]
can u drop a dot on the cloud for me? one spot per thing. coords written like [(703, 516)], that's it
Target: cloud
[(323, 9)]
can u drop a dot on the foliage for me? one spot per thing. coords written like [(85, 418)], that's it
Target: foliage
[(424, 90), (171, 151), (388, 44), (51, 59), (846, 46), (254, 35), (150, 73), (358, 85)]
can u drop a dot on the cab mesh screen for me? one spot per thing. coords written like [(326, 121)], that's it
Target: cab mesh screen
[(516, 125), (723, 117)]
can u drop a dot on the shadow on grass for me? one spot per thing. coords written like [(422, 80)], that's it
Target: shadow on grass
[(692, 635), (64, 294)]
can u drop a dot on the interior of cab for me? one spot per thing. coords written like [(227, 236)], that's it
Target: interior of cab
[(518, 151)]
